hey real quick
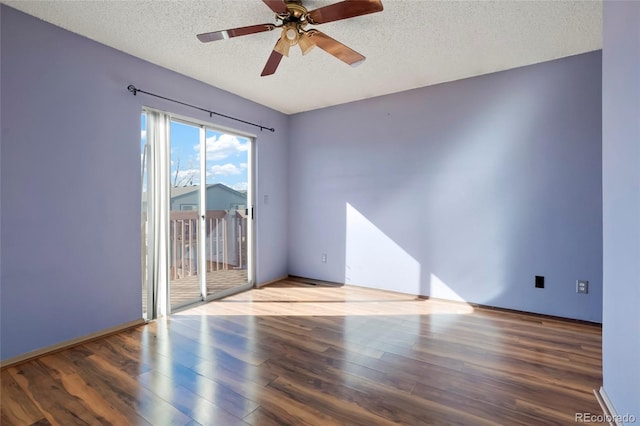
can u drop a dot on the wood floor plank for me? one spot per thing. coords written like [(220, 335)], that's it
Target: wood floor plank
[(225, 367), (217, 393), (87, 388), (303, 354), (278, 408), (191, 404), (22, 411), (117, 387), (50, 395)]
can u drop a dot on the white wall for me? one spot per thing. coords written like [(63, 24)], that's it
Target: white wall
[(621, 204)]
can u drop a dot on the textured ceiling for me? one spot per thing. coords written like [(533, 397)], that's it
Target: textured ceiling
[(409, 44)]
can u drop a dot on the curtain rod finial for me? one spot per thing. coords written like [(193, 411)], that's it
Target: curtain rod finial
[(132, 89)]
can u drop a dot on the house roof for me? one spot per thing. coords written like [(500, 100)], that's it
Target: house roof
[(180, 191), (409, 44)]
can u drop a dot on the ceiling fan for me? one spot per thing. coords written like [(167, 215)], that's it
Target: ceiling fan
[(293, 17)]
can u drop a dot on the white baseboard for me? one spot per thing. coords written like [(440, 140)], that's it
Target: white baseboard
[(68, 344), (607, 407)]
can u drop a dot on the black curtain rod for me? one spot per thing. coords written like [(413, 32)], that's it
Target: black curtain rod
[(133, 89)]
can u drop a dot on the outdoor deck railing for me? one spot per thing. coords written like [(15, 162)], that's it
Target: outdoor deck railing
[(225, 241)]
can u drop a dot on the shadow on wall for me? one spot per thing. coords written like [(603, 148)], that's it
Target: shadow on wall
[(375, 260)]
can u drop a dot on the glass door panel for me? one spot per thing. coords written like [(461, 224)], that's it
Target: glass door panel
[(185, 275), (227, 223)]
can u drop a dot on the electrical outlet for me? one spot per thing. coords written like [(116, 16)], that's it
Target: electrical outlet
[(582, 286), (539, 281), (324, 257)]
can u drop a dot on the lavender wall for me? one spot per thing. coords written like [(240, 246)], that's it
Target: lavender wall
[(621, 204), (465, 190), (1, 137), (70, 167)]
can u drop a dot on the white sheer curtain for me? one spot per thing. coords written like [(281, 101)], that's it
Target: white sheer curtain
[(158, 133)]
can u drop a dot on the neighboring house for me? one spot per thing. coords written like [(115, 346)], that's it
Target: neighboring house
[(219, 197)]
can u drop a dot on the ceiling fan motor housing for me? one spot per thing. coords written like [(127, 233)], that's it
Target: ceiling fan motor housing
[(296, 10)]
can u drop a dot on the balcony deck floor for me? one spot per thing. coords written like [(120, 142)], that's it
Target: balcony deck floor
[(187, 289)]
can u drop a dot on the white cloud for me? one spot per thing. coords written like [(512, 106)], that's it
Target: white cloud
[(223, 147), (227, 169), (143, 134)]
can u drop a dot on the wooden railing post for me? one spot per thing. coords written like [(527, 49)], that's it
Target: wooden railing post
[(240, 243)]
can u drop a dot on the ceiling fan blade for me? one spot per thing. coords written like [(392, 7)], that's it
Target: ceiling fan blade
[(234, 32), (278, 6), (272, 63), (344, 10), (335, 48)]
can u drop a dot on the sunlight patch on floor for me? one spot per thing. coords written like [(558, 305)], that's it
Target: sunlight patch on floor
[(346, 300)]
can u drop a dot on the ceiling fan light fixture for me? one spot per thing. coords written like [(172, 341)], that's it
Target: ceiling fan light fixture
[(291, 34), (283, 44), (305, 43)]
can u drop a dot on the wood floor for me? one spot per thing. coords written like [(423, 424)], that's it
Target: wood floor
[(290, 354)]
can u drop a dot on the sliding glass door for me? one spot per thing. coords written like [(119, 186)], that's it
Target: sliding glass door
[(208, 181), (227, 215)]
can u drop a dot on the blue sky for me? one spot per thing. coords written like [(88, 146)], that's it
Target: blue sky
[(227, 156)]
